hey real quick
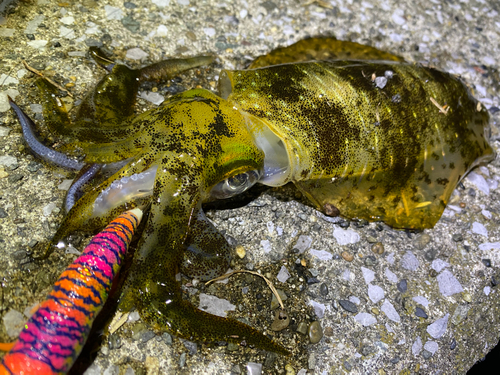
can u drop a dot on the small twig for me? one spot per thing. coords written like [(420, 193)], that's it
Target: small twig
[(38, 73), (442, 109), (119, 319), (268, 282)]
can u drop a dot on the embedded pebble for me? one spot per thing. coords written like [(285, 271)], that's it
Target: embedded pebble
[(311, 361), (375, 293), (69, 20), (136, 54), (345, 236), (487, 290), (398, 17), (6, 80), (479, 228), (438, 265), (355, 300), (94, 370), (422, 241), (9, 161), (254, 368), (438, 328), (152, 97), (323, 289), (409, 261), (13, 322), (421, 300), (378, 248), (4, 131), (370, 260), (489, 246), (486, 262), (65, 184), (315, 332), (347, 256), (348, 306), (161, 3), (416, 348), (453, 344), (380, 82), (266, 246), (214, 305), (283, 274), (319, 308), (420, 313), (426, 354), (368, 275), (457, 237), (328, 331), (391, 276), (209, 31), (365, 319), (321, 254), (448, 284), (460, 314), (302, 328), (182, 360), (48, 209), (403, 285), (303, 243), (66, 33), (281, 321), (431, 346), (270, 227), (192, 347), (346, 275), (113, 13), (389, 310), (33, 24), (467, 297), (240, 251), (479, 181), (133, 316)]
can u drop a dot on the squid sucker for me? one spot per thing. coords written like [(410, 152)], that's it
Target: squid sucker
[(365, 137)]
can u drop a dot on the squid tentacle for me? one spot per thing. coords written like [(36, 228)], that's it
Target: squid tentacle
[(75, 190), (82, 213), (39, 149), (207, 252), (153, 287)]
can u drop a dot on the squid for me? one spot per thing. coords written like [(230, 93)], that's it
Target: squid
[(361, 133)]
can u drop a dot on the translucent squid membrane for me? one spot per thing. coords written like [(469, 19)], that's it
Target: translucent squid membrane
[(276, 163), (126, 189)]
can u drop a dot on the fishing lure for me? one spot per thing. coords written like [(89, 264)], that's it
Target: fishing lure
[(54, 336), (376, 140)]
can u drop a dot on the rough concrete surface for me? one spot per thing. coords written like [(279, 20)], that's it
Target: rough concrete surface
[(427, 304)]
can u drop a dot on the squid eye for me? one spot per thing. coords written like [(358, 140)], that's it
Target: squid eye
[(235, 185)]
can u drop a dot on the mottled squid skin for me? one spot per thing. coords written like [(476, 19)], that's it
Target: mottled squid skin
[(352, 145), (381, 154)]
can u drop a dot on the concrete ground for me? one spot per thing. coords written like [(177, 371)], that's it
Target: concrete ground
[(428, 304)]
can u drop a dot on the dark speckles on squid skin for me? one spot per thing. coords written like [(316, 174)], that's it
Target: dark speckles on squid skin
[(354, 147), (357, 146)]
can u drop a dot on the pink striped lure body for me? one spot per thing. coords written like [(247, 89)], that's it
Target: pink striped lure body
[(54, 336)]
